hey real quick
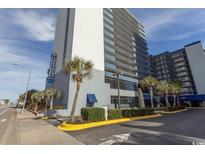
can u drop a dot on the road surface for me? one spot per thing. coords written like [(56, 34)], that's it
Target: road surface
[(8, 126), (182, 128)]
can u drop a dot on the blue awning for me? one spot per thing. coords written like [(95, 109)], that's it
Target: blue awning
[(146, 97), (200, 97), (91, 98)]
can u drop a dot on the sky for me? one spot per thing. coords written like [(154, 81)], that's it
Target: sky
[(26, 38)]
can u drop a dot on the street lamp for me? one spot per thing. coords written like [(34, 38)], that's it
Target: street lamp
[(28, 81), (118, 87)]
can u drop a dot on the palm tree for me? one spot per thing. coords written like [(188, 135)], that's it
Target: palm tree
[(51, 94), (163, 89), (29, 94), (149, 82), (81, 69), (36, 99), (140, 95), (175, 88)]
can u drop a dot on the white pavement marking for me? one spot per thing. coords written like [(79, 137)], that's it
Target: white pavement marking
[(124, 137), (3, 120), (115, 139), (3, 111)]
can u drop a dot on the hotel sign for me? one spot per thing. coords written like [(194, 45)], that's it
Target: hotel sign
[(51, 71)]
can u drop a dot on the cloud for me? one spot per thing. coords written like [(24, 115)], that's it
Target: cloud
[(33, 24), (25, 38), (39, 26), (173, 24), (13, 79)]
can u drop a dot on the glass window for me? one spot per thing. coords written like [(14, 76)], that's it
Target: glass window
[(108, 20), (180, 64), (109, 49), (109, 65), (107, 56), (182, 73), (109, 34), (108, 13), (108, 26), (109, 41)]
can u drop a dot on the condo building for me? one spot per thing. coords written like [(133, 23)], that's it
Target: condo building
[(114, 40), (186, 65)]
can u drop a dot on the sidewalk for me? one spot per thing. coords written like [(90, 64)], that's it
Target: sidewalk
[(38, 132)]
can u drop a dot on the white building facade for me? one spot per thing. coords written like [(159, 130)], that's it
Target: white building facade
[(114, 40)]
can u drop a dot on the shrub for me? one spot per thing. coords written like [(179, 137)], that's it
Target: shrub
[(114, 114), (127, 113), (93, 114), (58, 107)]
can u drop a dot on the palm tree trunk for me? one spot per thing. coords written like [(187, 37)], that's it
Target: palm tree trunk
[(71, 119), (141, 98), (45, 108), (167, 101), (151, 96), (51, 104), (178, 104), (174, 97), (35, 109)]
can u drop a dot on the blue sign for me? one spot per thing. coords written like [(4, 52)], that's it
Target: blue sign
[(51, 71)]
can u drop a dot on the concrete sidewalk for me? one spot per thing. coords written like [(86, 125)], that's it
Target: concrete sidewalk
[(38, 132)]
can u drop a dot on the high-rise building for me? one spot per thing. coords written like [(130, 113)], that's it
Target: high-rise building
[(114, 40), (186, 65)]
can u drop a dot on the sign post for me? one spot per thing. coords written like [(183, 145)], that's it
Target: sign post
[(106, 112)]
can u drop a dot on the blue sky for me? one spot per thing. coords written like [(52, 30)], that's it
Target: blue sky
[(171, 29), (26, 37)]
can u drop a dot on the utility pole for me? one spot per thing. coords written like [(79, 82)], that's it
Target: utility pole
[(117, 74), (27, 86), (25, 99)]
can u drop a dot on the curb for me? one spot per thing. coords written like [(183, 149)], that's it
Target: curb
[(74, 127), (173, 112)]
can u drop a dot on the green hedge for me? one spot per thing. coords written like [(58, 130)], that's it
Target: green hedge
[(93, 114), (127, 113), (114, 114), (58, 107)]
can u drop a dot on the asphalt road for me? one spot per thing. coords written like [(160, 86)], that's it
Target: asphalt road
[(182, 128), (7, 125)]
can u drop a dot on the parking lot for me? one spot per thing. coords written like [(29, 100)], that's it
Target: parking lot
[(181, 128)]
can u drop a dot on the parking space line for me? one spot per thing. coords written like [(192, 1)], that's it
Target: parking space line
[(4, 111), (3, 120)]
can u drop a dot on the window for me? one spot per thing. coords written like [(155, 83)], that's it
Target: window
[(178, 59), (125, 85), (180, 64), (109, 41), (109, 65), (182, 73), (180, 69), (107, 56), (108, 26), (109, 49), (109, 34), (108, 9), (108, 13), (108, 20)]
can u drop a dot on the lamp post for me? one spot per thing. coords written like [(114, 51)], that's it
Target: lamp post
[(27, 86), (118, 87)]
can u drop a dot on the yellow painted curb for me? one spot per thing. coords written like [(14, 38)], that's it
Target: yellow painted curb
[(73, 127), (44, 118), (173, 112)]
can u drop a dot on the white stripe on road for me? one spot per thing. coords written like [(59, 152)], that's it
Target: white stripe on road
[(124, 137), (3, 111), (3, 120), (115, 139)]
